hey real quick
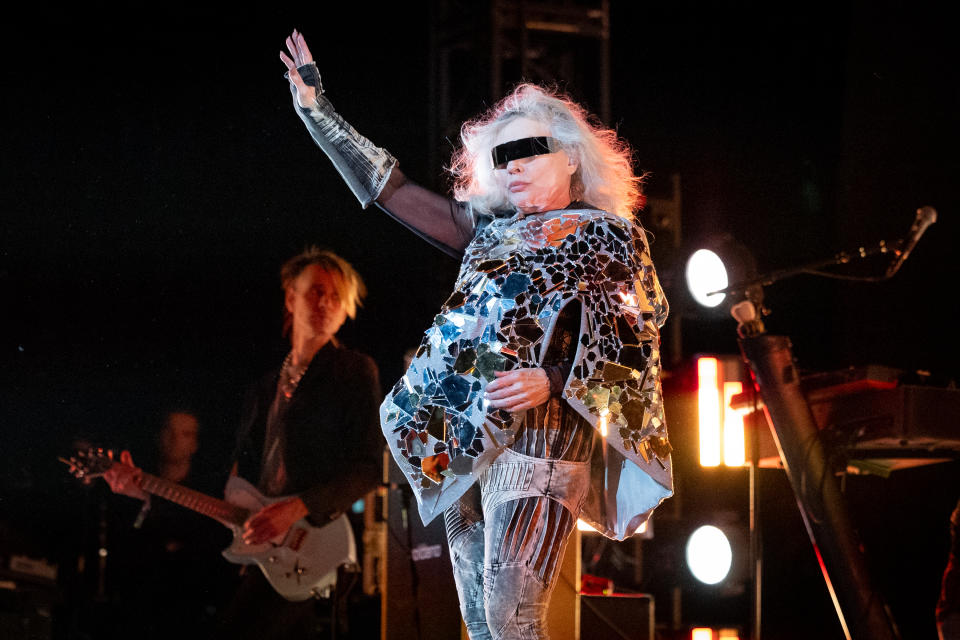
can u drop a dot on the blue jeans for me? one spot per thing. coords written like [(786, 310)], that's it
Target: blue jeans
[(507, 537)]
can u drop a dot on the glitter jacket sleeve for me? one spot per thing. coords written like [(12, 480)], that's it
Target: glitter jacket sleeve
[(364, 166), (373, 176)]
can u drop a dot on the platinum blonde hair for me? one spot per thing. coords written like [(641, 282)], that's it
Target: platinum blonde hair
[(604, 177), (349, 284)]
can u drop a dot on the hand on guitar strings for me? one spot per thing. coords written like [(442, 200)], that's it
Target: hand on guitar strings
[(124, 478), (273, 520)]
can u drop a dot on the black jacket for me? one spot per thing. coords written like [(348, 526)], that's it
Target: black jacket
[(333, 443)]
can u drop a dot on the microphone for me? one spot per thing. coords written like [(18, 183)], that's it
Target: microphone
[(748, 321), (144, 510), (926, 216)]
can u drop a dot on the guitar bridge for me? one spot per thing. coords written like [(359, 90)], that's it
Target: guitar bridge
[(297, 536)]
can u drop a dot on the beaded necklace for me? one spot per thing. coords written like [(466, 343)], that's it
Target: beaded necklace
[(290, 376)]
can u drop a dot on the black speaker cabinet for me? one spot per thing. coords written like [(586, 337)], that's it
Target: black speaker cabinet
[(616, 617), (420, 597), (26, 614)]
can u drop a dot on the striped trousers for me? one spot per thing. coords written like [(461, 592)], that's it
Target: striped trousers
[(507, 536)]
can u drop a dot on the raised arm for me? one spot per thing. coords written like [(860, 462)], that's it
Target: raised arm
[(371, 171)]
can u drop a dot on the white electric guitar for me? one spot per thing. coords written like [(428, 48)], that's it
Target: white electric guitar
[(299, 565)]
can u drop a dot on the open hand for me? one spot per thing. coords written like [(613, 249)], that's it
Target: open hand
[(519, 389), (299, 56), (124, 478), (273, 520)]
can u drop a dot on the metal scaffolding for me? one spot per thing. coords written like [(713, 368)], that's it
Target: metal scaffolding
[(479, 50)]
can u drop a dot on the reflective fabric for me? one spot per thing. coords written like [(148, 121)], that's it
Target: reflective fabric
[(364, 167), (516, 277), (507, 541)]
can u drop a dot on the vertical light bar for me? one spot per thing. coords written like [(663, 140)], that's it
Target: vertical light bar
[(701, 633), (734, 448), (708, 410)]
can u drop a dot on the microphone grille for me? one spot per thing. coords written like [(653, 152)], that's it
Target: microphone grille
[(927, 215)]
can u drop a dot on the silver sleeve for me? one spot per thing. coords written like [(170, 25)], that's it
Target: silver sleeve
[(364, 166)]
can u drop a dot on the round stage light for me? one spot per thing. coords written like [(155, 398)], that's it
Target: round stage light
[(709, 555), (705, 273)]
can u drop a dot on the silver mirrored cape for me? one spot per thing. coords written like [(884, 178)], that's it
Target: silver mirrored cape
[(516, 276)]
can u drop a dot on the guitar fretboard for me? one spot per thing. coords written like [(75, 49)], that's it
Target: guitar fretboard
[(194, 500)]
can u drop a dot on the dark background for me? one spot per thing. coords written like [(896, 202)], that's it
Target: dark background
[(154, 177)]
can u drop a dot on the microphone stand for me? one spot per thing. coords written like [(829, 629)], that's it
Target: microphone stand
[(925, 217), (862, 611), (812, 268)]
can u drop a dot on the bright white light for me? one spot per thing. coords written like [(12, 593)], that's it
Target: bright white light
[(709, 555), (706, 273)]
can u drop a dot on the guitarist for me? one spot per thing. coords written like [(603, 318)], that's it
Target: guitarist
[(309, 431)]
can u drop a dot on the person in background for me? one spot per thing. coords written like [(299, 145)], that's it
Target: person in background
[(167, 575), (308, 438)]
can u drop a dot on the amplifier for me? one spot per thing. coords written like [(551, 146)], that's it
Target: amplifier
[(25, 613), (420, 597), (616, 617)]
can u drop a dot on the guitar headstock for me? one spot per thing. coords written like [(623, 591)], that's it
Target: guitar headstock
[(89, 464)]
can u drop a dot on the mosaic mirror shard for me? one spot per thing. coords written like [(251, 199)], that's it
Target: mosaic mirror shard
[(516, 276)]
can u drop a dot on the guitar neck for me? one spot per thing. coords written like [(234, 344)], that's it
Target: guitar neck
[(194, 500)]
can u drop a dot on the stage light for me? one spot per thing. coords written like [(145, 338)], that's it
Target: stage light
[(734, 445), (709, 555), (720, 427), (706, 272), (708, 633), (708, 411), (717, 262)]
